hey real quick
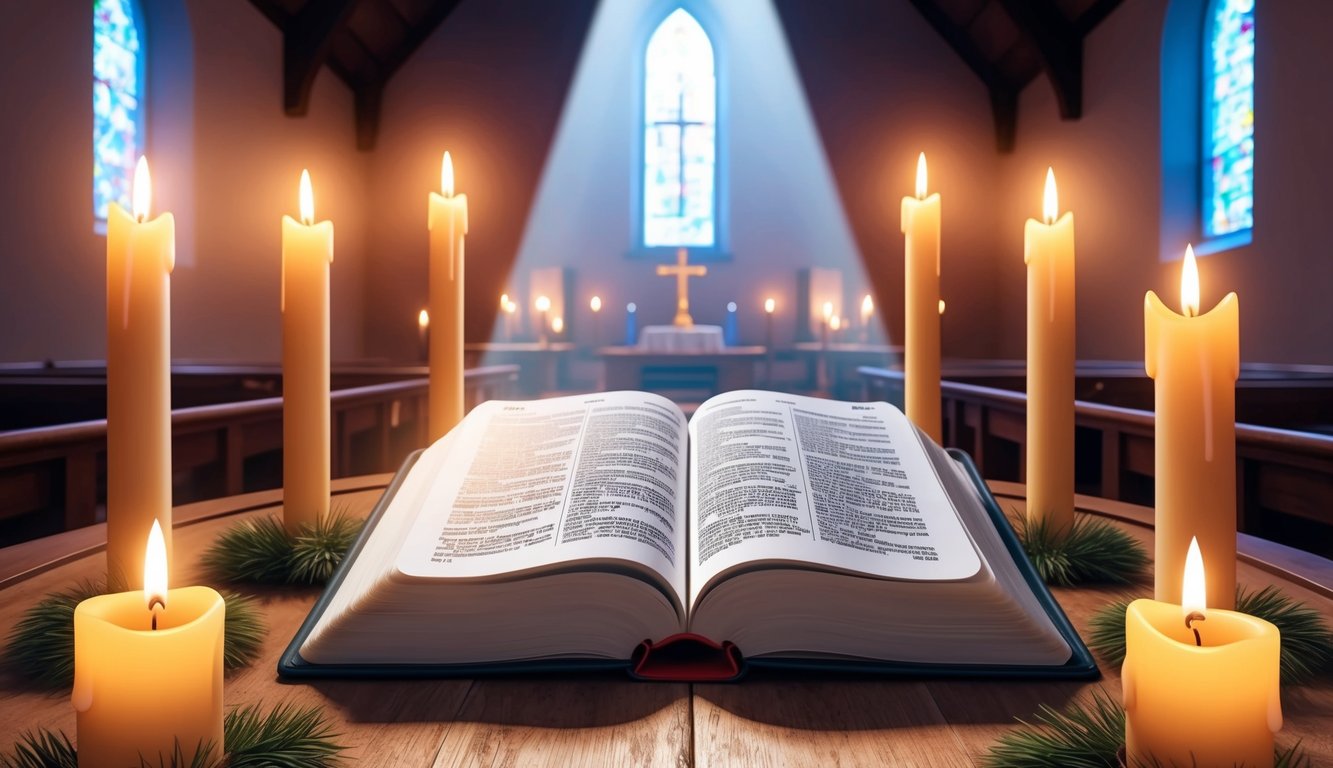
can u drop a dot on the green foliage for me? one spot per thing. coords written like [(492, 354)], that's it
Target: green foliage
[(1093, 552), (286, 737), (1307, 641), (41, 645), (1084, 735), (261, 551)]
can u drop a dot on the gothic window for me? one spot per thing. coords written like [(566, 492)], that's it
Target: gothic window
[(118, 97), (1228, 125), (679, 181)]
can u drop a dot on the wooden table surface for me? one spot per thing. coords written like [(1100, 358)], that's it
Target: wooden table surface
[(608, 720)]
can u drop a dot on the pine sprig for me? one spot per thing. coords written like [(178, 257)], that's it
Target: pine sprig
[(41, 645), (261, 551), (286, 737), (1307, 641), (1085, 734), (1092, 552)]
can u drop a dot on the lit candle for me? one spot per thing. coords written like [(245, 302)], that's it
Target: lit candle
[(423, 334), (731, 330), (1200, 685), (827, 320), (558, 325), (448, 225), (543, 305), (769, 306), (867, 311), (921, 350), (631, 324), (509, 308), (595, 304), (1049, 254), (1194, 362), (307, 251), (139, 257), (148, 669)]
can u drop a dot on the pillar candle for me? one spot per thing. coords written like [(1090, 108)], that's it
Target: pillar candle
[(140, 690), (307, 251), (448, 224), (543, 306), (595, 304), (921, 353), (423, 334), (1210, 699), (140, 255), (1049, 254), (1194, 361), (731, 330), (631, 324), (867, 311)]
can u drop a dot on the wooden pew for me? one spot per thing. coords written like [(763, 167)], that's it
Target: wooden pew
[(1284, 477), (54, 478)]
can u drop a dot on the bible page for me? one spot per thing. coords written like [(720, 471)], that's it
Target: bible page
[(536, 483), (841, 485)]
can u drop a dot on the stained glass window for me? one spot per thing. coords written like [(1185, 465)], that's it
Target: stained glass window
[(117, 101), (680, 135), (1229, 124)]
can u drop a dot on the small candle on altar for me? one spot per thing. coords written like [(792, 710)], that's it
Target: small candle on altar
[(509, 308), (1048, 251), (921, 349), (770, 306), (941, 306), (543, 305), (867, 311), (447, 219), (595, 304), (148, 669), (307, 251), (827, 318), (1194, 360), (423, 333), (140, 254), (631, 324), (1200, 684), (731, 329), (558, 325)]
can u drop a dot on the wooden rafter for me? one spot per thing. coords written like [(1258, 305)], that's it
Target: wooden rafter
[(306, 40), (1003, 94), (1060, 46)]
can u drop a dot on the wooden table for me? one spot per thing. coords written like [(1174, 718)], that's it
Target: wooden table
[(607, 720)]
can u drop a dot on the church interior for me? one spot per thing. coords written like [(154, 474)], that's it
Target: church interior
[(686, 197)]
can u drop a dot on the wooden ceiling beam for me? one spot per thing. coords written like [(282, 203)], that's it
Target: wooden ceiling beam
[(417, 34), (1003, 94), (1060, 46), (1095, 14), (306, 40)]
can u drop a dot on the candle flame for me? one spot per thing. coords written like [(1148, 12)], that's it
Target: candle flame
[(835, 322), (921, 176), (631, 307), (595, 304), (543, 304), (867, 305), (1050, 200), (423, 319), (155, 568), (447, 175), (770, 305), (941, 306), (307, 199), (1189, 283), (558, 324), (1193, 594), (504, 300), (510, 306), (143, 189), (731, 306), (828, 310)]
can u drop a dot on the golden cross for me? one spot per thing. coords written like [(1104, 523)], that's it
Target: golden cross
[(683, 272)]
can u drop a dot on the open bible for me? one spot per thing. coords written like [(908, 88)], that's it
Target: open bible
[(606, 530)]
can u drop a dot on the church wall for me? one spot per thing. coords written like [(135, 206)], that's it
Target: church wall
[(487, 86), (1107, 167), (245, 163), (883, 86)]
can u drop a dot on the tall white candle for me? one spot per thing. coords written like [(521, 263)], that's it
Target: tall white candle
[(307, 251), (140, 255)]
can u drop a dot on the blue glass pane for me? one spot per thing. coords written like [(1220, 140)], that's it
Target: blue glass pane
[(680, 144), (1229, 175), (116, 102)]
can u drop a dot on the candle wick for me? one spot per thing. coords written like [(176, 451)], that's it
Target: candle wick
[(140, 218), (1189, 621), (153, 605)]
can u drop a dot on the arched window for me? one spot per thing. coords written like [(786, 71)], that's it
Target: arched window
[(118, 99), (1228, 108), (679, 179)]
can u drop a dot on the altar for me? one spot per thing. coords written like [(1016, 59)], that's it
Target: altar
[(692, 377), (607, 719)]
